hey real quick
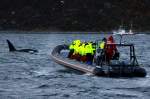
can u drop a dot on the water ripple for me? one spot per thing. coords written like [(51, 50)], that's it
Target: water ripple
[(36, 76)]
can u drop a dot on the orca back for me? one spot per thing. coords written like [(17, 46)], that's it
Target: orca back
[(10, 45)]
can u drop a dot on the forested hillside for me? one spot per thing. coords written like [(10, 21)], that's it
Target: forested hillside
[(74, 15)]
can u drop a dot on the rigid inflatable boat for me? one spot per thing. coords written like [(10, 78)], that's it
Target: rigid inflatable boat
[(116, 68)]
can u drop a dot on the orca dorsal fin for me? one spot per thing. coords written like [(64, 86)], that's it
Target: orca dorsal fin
[(10, 45)]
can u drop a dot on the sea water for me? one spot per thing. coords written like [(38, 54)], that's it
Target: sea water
[(37, 76)]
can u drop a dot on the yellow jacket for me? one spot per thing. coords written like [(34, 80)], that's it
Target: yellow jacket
[(102, 45)]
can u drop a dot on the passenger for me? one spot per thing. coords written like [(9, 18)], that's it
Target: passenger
[(102, 44), (89, 53), (76, 50), (116, 54), (94, 47), (100, 56), (110, 48), (82, 53)]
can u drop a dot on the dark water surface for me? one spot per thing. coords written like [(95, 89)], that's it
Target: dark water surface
[(36, 76)]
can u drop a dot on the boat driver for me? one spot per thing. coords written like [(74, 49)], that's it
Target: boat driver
[(111, 49)]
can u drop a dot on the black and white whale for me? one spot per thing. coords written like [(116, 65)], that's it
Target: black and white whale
[(13, 49)]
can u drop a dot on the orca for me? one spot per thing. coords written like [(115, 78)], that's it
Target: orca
[(13, 49)]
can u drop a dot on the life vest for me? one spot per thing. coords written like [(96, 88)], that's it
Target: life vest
[(102, 45), (89, 49), (82, 49), (76, 46), (71, 47)]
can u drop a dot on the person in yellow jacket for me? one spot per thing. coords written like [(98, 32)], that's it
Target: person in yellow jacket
[(103, 43), (73, 47), (82, 53), (76, 50), (100, 56), (89, 53)]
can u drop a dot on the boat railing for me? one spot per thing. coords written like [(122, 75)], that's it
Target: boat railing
[(132, 61)]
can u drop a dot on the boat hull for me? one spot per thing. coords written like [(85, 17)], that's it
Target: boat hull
[(108, 71)]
